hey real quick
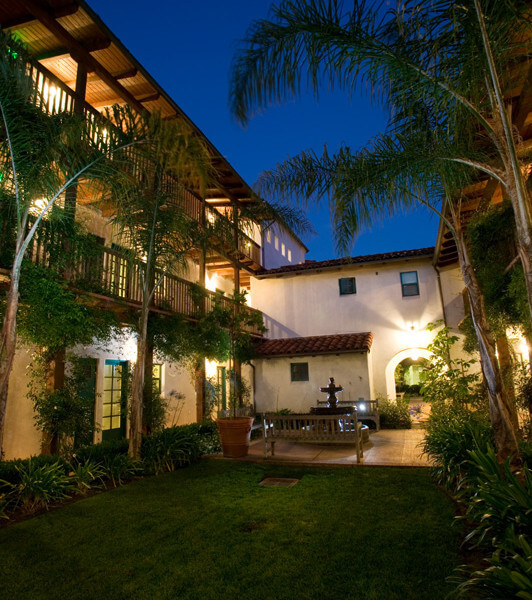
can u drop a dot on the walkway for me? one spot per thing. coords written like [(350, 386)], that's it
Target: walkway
[(388, 447)]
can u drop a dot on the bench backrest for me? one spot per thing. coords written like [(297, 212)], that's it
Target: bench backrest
[(312, 427)]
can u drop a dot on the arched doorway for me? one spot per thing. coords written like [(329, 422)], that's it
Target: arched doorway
[(414, 355)]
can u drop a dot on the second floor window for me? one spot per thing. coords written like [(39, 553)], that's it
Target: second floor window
[(348, 285), (409, 283)]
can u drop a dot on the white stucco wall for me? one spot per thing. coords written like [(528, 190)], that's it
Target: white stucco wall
[(22, 439), (306, 304), (273, 240), (452, 287), (275, 391)]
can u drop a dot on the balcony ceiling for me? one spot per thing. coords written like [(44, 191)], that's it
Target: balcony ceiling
[(59, 33)]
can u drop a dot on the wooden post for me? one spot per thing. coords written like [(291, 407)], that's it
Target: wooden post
[(200, 374), (55, 380)]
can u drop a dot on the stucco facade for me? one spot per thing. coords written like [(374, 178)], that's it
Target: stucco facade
[(308, 302)]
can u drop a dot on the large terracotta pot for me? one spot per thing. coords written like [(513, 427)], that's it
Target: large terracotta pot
[(234, 435)]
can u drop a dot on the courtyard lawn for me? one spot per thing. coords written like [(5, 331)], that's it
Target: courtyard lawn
[(211, 532)]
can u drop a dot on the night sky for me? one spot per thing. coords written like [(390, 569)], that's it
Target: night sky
[(187, 47)]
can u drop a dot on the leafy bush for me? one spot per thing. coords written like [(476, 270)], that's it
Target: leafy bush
[(509, 574), (120, 468), (168, 450), (86, 475), (39, 485), (10, 469), (394, 414), (500, 503), (101, 452), (452, 430)]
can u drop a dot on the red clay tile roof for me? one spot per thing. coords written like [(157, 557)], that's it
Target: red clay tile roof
[(316, 344), (349, 260)]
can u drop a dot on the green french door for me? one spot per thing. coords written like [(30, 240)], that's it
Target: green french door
[(114, 399)]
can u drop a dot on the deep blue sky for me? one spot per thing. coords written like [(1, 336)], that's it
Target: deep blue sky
[(188, 47)]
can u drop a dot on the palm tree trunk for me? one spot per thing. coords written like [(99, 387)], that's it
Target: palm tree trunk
[(8, 344), (506, 365), (137, 387), (504, 434)]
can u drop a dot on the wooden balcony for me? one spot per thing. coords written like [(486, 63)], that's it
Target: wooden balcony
[(111, 274), (53, 96)]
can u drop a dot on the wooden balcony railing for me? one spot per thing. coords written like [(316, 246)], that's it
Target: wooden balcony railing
[(112, 273), (53, 96)]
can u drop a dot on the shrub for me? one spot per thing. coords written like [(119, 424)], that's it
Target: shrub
[(500, 502), (39, 485), (509, 574), (86, 475), (101, 452), (451, 432), (10, 470), (394, 414), (120, 468)]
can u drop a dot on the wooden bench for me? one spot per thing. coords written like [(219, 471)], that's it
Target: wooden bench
[(367, 410), (324, 429)]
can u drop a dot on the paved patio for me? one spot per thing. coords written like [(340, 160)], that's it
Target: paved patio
[(388, 447)]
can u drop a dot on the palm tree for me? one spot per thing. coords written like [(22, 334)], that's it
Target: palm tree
[(42, 156), (448, 121), (153, 224)]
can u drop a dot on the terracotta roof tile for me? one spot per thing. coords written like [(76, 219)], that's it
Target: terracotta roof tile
[(316, 344), (349, 260)]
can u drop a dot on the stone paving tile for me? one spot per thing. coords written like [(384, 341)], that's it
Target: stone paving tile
[(387, 447)]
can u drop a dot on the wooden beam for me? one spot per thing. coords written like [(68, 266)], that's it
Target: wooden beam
[(80, 52), (150, 98), (126, 74), (27, 19), (90, 45)]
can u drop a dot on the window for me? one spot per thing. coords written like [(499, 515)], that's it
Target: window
[(276, 243), (157, 370), (283, 249), (289, 255), (269, 236), (409, 283), (298, 371), (348, 285)]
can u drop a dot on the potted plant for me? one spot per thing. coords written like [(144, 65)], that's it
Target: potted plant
[(235, 429)]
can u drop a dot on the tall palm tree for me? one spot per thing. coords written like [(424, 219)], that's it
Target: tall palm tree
[(445, 101), (41, 156), (154, 225)]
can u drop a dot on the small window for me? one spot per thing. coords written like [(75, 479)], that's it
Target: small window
[(269, 236), (298, 371), (348, 285), (283, 249), (157, 378), (289, 255), (409, 283), (276, 243)]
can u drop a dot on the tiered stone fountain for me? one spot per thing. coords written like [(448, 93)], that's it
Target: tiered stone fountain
[(332, 408)]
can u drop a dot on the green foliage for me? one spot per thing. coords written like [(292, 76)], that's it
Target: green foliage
[(394, 414), (452, 430), (86, 475), (40, 486), (66, 412), (51, 316), (120, 468), (500, 501), (509, 574), (449, 379), (167, 450), (493, 249), (98, 453), (154, 409)]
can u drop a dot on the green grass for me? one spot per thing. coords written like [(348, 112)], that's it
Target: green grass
[(211, 532)]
